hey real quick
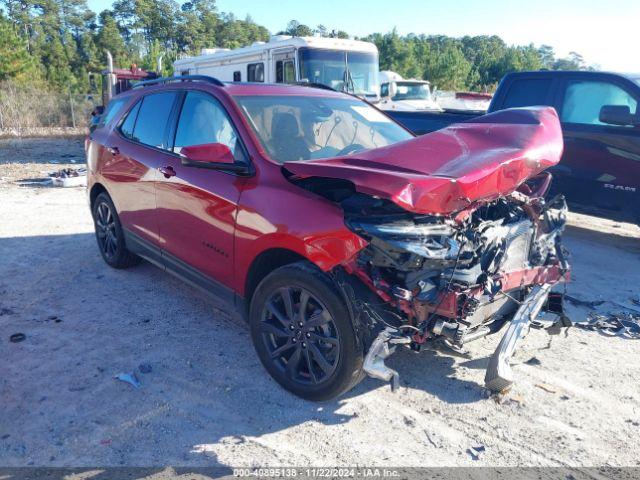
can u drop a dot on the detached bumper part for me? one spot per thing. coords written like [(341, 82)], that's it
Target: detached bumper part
[(383, 346), (499, 375)]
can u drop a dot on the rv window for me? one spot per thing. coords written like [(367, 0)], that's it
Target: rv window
[(237, 77), (285, 72), (289, 72), (184, 72), (255, 72)]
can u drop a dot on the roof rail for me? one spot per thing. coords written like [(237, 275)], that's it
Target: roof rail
[(314, 85), (181, 78)]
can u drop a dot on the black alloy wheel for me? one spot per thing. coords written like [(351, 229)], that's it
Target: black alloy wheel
[(106, 230), (300, 335), (109, 234), (304, 334)]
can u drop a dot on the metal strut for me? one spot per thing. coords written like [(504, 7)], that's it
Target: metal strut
[(499, 375)]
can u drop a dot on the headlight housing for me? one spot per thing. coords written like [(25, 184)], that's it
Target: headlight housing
[(429, 240)]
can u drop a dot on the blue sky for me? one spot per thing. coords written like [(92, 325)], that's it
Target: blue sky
[(603, 31)]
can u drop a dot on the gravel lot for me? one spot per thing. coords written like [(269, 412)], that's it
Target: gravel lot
[(208, 402)]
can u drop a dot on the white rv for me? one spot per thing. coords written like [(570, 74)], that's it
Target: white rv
[(342, 64)]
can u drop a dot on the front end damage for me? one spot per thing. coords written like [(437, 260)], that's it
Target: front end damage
[(456, 279), (461, 241)]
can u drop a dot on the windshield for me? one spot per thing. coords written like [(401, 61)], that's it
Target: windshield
[(309, 128), (412, 91), (329, 67)]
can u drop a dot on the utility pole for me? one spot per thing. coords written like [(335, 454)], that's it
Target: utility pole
[(73, 115)]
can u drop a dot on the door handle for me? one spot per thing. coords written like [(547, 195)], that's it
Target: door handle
[(167, 171), (113, 150)]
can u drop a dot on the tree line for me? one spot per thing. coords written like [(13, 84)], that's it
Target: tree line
[(58, 42)]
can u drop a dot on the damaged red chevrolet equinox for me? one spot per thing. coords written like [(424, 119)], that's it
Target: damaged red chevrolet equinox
[(338, 234)]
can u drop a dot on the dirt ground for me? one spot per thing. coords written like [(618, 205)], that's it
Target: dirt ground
[(207, 400)]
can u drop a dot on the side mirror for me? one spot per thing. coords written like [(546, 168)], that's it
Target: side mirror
[(384, 91), (97, 111), (393, 89), (617, 115), (212, 156), (209, 153)]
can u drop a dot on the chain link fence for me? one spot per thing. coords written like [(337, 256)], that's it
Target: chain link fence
[(30, 107)]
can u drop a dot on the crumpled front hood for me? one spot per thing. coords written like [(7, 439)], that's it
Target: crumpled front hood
[(442, 172)]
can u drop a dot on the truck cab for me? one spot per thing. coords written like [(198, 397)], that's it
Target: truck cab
[(600, 120), (396, 93)]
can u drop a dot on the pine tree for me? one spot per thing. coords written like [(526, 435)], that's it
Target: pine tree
[(109, 39), (15, 61)]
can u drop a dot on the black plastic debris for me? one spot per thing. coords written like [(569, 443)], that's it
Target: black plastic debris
[(17, 337), (144, 368), (619, 324), (583, 303), (69, 172), (533, 361), (69, 177)]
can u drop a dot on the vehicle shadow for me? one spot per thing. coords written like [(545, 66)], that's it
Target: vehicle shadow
[(205, 396)]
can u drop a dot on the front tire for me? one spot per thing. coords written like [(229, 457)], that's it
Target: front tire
[(109, 234), (303, 334)]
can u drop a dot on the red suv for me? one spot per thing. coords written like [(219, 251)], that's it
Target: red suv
[(338, 234)]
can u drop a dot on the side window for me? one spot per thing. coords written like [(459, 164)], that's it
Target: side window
[(384, 90), (130, 122), (152, 119), (289, 72), (112, 110), (584, 99), (255, 72), (528, 92), (203, 120), (184, 72), (237, 76), (279, 72)]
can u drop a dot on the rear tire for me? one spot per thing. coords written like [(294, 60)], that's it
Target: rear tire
[(109, 234), (303, 334)]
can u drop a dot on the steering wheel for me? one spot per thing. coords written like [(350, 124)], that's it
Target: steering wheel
[(349, 149)]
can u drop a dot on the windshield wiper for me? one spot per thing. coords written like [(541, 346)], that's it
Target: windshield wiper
[(347, 82)]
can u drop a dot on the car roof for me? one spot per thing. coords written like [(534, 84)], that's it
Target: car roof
[(248, 88), (235, 88)]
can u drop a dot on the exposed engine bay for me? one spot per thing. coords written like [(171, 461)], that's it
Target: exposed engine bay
[(454, 278), (461, 240)]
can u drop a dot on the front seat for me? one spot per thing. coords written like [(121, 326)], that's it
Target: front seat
[(286, 141)]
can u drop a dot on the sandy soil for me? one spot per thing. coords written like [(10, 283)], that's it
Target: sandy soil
[(207, 401)]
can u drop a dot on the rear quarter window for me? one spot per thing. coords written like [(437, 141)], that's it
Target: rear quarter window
[(130, 121), (528, 92), (114, 107)]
